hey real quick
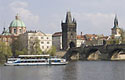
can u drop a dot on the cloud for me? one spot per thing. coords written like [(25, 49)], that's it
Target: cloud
[(18, 4), (99, 23), (28, 17)]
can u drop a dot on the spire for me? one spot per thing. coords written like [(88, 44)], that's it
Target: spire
[(115, 21), (68, 17), (17, 16), (4, 30), (74, 21)]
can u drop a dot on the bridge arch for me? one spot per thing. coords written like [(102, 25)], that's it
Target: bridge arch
[(72, 44), (93, 54), (114, 53), (71, 52)]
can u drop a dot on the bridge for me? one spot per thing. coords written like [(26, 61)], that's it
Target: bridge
[(98, 52)]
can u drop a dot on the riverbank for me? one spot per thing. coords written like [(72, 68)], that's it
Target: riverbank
[(2, 63)]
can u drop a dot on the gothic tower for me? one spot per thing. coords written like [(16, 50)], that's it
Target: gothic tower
[(68, 32), (116, 30)]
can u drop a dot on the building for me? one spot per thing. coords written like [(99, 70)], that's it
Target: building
[(94, 39), (6, 37), (68, 32), (57, 40), (29, 39), (80, 40), (16, 27), (116, 31)]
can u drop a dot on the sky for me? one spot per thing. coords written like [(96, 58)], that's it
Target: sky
[(92, 16)]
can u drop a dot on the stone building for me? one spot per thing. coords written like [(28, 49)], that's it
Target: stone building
[(68, 32), (57, 40), (29, 38)]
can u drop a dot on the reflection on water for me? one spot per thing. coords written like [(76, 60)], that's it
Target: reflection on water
[(75, 70)]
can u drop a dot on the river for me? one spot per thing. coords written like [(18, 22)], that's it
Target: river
[(75, 70)]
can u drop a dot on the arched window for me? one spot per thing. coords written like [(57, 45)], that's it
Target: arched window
[(20, 30), (15, 31)]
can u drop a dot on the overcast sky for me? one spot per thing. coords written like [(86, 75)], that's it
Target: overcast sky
[(92, 16)]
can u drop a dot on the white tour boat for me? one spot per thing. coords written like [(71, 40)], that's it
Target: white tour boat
[(23, 60)]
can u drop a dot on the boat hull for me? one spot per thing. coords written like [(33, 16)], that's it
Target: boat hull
[(33, 64)]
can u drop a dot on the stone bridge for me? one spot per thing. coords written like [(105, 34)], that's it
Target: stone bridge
[(99, 52)]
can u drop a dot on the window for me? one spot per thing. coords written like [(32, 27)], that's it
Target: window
[(31, 37), (42, 47), (42, 42), (15, 31), (47, 38), (47, 42), (20, 30), (42, 38), (47, 47)]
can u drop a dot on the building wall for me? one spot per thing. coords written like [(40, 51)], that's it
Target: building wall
[(57, 42), (116, 32), (19, 30), (68, 34), (79, 42), (29, 38), (7, 39)]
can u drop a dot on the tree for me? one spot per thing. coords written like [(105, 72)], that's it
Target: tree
[(5, 51), (35, 46), (17, 48), (122, 35), (23, 52), (52, 51)]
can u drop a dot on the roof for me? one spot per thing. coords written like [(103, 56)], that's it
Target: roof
[(80, 37), (17, 22), (57, 34), (5, 32), (34, 55)]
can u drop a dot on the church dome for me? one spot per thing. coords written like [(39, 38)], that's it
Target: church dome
[(17, 22)]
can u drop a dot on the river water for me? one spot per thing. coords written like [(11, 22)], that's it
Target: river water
[(75, 70)]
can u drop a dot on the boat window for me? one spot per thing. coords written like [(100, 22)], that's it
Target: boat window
[(55, 61)]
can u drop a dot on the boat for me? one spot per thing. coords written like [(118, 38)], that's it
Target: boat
[(32, 60)]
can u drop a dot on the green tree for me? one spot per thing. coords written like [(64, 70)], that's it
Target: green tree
[(35, 47), (17, 48), (5, 51), (122, 35), (22, 52), (52, 51)]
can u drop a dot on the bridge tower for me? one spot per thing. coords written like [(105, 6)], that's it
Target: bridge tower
[(68, 32)]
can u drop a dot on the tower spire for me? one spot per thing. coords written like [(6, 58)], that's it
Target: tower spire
[(17, 16), (68, 17), (115, 21)]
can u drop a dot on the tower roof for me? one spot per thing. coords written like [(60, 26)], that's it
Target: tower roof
[(68, 17), (116, 22), (17, 22), (5, 32)]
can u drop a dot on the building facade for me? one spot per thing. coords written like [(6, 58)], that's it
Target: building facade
[(29, 39), (57, 40), (80, 40), (68, 32)]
